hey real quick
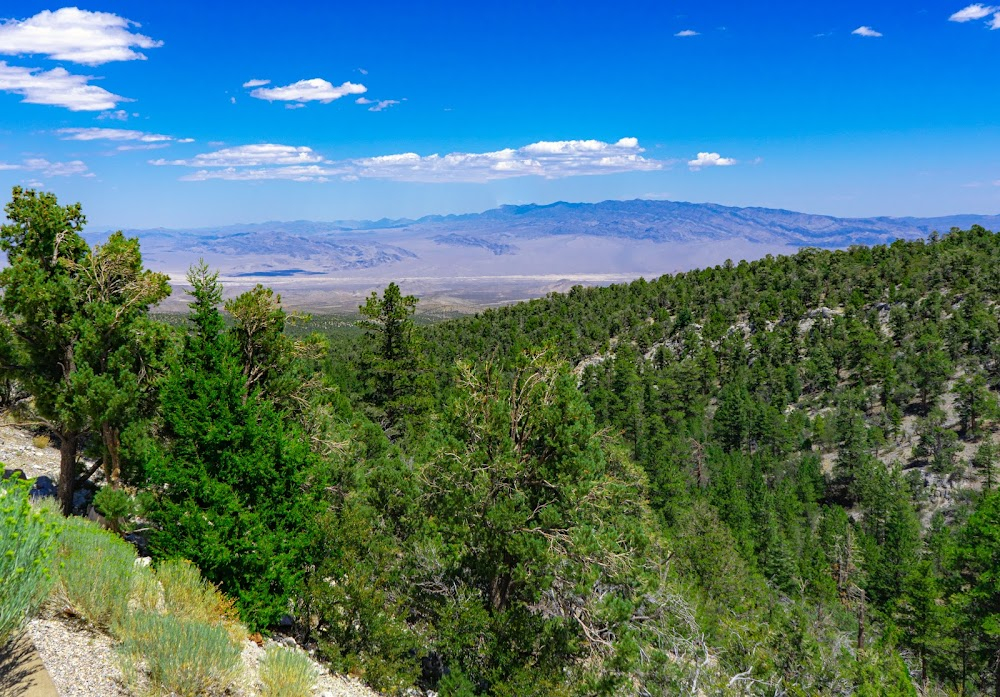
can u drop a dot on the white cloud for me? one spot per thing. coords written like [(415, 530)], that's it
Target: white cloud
[(57, 169), (972, 12), (549, 159), (295, 105), (72, 34), (143, 146), (866, 31), (687, 32), (56, 87), (377, 105), (314, 90), (256, 83), (710, 159), (263, 155), (114, 134), (298, 173), (50, 169), (995, 22), (120, 115)]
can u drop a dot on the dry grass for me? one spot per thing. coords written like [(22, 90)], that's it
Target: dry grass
[(41, 442), (95, 573), (179, 656), (286, 673), (189, 596)]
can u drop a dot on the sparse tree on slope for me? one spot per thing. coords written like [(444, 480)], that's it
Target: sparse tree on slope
[(41, 301), (392, 365)]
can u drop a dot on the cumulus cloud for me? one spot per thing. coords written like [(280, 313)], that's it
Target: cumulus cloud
[(56, 87), (262, 155), (710, 159), (298, 173), (113, 134), (378, 105), (256, 83), (687, 32), (39, 165), (120, 115), (549, 159), (75, 35), (866, 31), (973, 12), (313, 90), (57, 169)]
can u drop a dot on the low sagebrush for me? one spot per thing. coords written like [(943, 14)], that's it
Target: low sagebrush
[(96, 573), (187, 595), (180, 656), (287, 673)]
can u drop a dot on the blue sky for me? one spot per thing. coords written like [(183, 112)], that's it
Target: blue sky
[(158, 114)]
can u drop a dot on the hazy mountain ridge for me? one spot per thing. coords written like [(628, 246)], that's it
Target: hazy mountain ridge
[(660, 221), (509, 253)]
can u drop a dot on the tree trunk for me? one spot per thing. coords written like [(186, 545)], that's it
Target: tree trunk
[(112, 443), (923, 671), (996, 675), (67, 470), (861, 624)]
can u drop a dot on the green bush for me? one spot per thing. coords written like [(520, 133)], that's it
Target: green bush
[(286, 673), (27, 543), (180, 656), (116, 506), (96, 572)]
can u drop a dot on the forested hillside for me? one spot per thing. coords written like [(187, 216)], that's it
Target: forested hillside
[(767, 478)]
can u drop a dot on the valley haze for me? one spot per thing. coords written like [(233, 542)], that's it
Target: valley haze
[(471, 261)]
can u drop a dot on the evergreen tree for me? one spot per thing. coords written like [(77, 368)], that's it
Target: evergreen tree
[(41, 301), (975, 403), (395, 380), (231, 486), (985, 461), (537, 539), (924, 618), (978, 558)]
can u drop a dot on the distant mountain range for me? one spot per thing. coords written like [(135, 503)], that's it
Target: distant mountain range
[(557, 244)]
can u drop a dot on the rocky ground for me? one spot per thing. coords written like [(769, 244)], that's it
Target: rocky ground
[(84, 663)]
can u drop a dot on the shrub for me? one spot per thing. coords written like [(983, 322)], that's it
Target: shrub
[(147, 593), (96, 572), (27, 543), (186, 595), (286, 673), (116, 506), (41, 442), (181, 656)]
